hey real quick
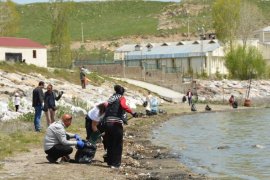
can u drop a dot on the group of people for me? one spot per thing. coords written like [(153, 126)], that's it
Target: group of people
[(189, 95), (44, 102), (106, 118)]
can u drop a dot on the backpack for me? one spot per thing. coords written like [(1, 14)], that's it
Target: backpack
[(86, 154)]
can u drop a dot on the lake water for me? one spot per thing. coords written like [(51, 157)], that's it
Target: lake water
[(223, 145)]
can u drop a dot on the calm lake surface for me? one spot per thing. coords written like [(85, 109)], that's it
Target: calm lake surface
[(223, 145)]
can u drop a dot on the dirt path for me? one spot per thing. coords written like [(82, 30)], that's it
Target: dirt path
[(33, 165), (140, 160)]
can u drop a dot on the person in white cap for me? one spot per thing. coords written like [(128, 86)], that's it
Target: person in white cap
[(17, 101)]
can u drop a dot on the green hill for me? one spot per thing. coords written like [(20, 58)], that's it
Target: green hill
[(115, 19), (101, 20)]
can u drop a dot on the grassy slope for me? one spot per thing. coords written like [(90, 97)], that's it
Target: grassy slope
[(101, 20), (110, 20)]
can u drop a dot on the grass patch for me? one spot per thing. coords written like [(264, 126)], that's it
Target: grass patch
[(111, 20), (18, 141), (19, 136), (101, 20)]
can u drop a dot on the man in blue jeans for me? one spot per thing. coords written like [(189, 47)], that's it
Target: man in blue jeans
[(38, 98)]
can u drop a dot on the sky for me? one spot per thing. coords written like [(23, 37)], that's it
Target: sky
[(32, 1)]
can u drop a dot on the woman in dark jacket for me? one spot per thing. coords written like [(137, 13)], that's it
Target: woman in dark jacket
[(49, 103), (114, 130)]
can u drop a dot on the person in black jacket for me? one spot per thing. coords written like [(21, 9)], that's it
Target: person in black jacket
[(49, 103), (114, 126), (37, 103)]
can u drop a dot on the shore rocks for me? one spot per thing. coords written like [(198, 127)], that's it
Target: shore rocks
[(222, 90), (78, 100)]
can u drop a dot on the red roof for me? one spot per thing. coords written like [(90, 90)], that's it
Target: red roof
[(19, 42)]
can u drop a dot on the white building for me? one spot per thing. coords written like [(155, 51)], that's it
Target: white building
[(263, 35), (23, 50), (184, 56)]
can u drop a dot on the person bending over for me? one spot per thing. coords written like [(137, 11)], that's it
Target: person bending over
[(56, 141), (92, 120)]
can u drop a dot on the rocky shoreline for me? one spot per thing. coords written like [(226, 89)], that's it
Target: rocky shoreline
[(141, 158), (154, 162)]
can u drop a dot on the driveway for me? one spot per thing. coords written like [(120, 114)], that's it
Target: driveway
[(163, 92)]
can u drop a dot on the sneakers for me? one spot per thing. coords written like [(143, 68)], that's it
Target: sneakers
[(116, 167), (50, 159)]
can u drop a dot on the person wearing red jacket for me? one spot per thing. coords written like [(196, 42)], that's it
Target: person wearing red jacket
[(115, 118)]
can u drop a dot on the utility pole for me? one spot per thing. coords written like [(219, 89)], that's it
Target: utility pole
[(202, 34), (188, 29), (82, 32)]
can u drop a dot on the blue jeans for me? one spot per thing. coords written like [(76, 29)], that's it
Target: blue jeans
[(38, 111)]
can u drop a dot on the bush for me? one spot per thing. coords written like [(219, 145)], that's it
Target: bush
[(28, 117), (245, 63)]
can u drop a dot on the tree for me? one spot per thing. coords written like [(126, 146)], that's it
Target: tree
[(250, 19), (9, 18), (226, 14), (245, 62), (60, 37)]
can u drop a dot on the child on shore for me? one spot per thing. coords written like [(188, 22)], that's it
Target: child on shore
[(17, 101)]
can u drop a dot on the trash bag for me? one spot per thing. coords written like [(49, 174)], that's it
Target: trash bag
[(207, 108), (154, 105), (184, 99), (235, 104), (145, 103), (86, 154), (193, 107)]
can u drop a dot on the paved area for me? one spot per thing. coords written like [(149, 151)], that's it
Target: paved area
[(163, 92)]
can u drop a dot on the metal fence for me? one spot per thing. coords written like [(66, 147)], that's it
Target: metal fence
[(91, 62)]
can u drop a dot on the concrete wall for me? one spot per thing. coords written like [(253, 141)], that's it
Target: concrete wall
[(158, 77), (27, 54), (265, 49)]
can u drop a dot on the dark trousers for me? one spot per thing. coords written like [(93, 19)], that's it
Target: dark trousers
[(114, 133), (189, 100), (88, 127), (17, 108), (58, 151), (83, 83)]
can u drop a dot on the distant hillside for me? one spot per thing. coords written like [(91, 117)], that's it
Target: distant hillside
[(101, 20), (116, 19)]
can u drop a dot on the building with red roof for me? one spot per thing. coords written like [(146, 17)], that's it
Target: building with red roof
[(23, 50)]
